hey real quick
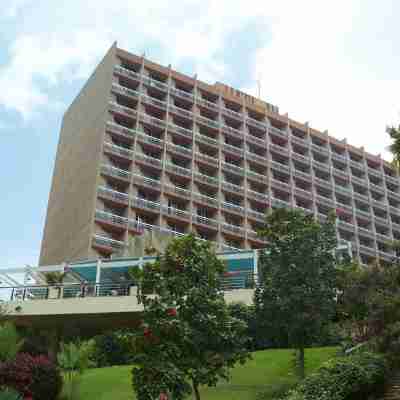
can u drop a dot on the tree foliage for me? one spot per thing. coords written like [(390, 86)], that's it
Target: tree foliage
[(188, 337), (10, 342), (394, 147), (296, 295)]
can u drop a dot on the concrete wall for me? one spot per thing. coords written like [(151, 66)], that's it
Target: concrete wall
[(70, 212)]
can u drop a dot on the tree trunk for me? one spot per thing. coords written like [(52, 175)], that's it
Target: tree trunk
[(301, 363), (196, 390)]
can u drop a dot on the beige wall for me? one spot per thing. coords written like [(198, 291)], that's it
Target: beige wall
[(73, 192)]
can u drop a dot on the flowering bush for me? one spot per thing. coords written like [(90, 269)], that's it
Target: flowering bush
[(36, 378)]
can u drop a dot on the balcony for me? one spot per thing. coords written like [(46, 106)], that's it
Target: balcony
[(379, 204), (262, 197), (325, 201), (206, 140), (176, 212), (301, 174), (150, 183), (204, 158), (155, 84), (232, 168), (107, 243), (180, 150), (282, 167), (177, 190), (324, 183), (204, 221), (120, 70), (369, 251), (339, 157), (109, 170), (392, 179), (208, 122), (205, 200), (233, 208), (340, 173), (159, 123), (256, 124), (279, 203), (305, 194), (121, 130), (346, 226), (111, 219), (235, 229), (363, 214), (320, 149), (232, 114), (125, 111), (256, 140), (277, 132), (280, 185), (148, 160), (321, 166), (180, 130), (256, 158), (387, 256), (375, 172), (255, 215), (145, 204), (207, 104), (133, 94), (253, 235), (161, 105), (143, 138), (231, 187), (279, 149), (357, 164), (177, 170), (113, 195), (301, 158), (359, 181), (393, 195), (380, 220), (233, 149), (299, 141), (361, 197), (182, 94), (394, 210), (365, 232), (255, 176), (383, 237), (181, 112), (344, 190), (232, 131), (118, 151), (207, 179)]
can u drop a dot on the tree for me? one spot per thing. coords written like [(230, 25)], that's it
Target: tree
[(296, 295), (394, 147), (188, 337), (10, 342)]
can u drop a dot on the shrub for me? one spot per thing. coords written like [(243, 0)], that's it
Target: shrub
[(9, 394), (34, 377), (10, 342), (344, 378), (113, 348)]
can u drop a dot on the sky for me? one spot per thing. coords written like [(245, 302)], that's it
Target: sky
[(335, 65)]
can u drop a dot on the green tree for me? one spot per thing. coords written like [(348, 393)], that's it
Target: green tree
[(10, 342), (296, 295), (188, 337), (394, 147)]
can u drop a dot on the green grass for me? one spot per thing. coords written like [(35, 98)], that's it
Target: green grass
[(267, 371)]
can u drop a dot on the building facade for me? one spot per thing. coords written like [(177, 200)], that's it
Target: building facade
[(146, 147)]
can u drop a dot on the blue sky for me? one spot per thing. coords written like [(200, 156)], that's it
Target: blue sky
[(334, 64)]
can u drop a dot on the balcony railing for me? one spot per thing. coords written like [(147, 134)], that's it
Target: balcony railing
[(175, 148), (279, 149), (358, 180), (207, 200), (148, 160), (357, 164), (113, 195), (346, 226), (115, 172), (207, 104), (341, 173), (208, 122), (379, 204), (256, 140), (281, 167), (301, 174), (233, 149), (180, 111), (233, 229), (324, 183), (263, 197), (255, 176), (179, 129), (206, 140), (365, 232), (233, 114), (159, 123), (362, 213), (277, 131), (182, 94), (301, 158), (361, 197), (231, 187), (303, 193), (325, 201), (146, 181), (256, 158), (205, 221), (380, 220), (393, 195), (252, 214), (233, 207), (154, 83), (113, 219), (367, 250), (206, 179), (344, 190), (145, 204), (392, 179), (257, 124), (206, 158), (321, 166), (232, 168), (320, 149), (127, 72), (339, 157), (394, 210), (107, 242), (177, 190), (232, 131), (176, 212), (125, 91), (178, 170), (150, 139), (116, 128), (375, 172), (299, 141), (118, 150), (162, 105), (127, 111), (279, 203)]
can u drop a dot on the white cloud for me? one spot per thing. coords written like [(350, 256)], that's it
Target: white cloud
[(311, 68)]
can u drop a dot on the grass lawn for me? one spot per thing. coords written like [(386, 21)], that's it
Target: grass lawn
[(267, 371)]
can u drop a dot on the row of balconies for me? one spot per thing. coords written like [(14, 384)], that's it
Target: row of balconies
[(263, 126)]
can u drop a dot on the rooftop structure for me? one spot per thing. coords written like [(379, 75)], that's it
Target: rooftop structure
[(144, 147)]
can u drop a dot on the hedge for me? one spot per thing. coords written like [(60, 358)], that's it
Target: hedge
[(345, 378)]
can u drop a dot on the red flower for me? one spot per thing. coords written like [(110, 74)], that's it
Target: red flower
[(172, 312)]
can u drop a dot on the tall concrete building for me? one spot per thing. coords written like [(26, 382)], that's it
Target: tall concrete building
[(144, 147)]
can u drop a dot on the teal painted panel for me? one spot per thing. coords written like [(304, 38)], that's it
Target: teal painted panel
[(87, 273), (243, 264)]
